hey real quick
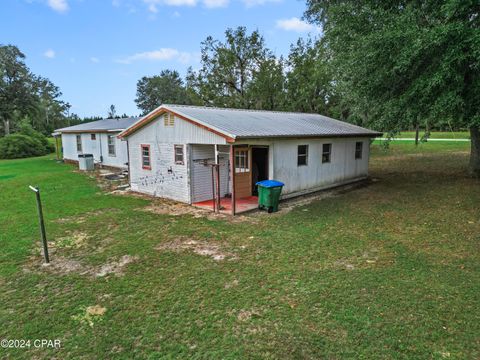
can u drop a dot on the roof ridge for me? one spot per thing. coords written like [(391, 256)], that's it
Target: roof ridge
[(246, 110)]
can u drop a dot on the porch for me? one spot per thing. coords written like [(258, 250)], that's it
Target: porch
[(241, 204), (223, 177)]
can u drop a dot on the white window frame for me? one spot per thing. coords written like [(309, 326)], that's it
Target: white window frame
[(359, 152), (111, 144), (327, 153), (242, 161), (302, 155), (78, 140), (175, 154)]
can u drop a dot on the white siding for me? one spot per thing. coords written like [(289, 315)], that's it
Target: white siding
[(97, 147), (316, 175), (166, 179)]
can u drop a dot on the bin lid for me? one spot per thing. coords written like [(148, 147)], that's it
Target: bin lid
[(270, 183), (85, 155)]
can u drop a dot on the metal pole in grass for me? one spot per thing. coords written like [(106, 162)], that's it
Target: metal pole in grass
[(42, 223)]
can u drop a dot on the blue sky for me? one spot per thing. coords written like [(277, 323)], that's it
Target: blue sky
[(96, 50)]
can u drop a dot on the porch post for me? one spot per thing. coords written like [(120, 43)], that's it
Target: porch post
[(232, 172)]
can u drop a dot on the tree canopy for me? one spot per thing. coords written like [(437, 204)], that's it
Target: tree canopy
[(400, 63)]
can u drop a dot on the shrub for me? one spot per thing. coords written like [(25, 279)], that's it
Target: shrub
[(20, 146), (26, 129)]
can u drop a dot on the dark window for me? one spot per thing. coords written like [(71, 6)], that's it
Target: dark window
[(146, 157), (302, 155), (79, 143), (326, 153), (358, 149), (93, 137), (111, 145), (178, 154)]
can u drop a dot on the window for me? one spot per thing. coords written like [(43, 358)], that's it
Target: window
[(93, 137), (79, 143), (178, 154), (111, 145), (326, 153), (302, 155), (358, 149), (241, 161), (168, 119), (146, 164)]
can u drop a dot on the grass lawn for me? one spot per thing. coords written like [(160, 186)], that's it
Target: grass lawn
[(437, 134), (390, 270)]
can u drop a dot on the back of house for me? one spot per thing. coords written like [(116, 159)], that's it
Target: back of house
[(175, 149), (98, 138)]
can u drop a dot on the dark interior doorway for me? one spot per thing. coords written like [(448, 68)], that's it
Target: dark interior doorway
[(259, 166)]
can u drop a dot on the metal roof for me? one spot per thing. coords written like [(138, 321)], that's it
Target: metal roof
[(238, 123), (104, 125)]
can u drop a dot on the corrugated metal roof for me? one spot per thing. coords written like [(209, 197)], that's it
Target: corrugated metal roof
[(238, 123), (101, 125)]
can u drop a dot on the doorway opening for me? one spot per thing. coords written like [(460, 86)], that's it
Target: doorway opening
[(259, 166)]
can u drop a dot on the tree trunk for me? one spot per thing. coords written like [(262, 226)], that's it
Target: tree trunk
[(6, 127), (475, 151), (417, 132)]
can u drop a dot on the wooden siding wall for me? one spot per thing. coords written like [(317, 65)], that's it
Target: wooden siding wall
[(97, 147)]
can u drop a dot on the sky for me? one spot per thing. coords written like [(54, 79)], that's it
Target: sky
[(97, 50)]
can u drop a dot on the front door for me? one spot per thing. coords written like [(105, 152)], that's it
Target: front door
[(243, 172)]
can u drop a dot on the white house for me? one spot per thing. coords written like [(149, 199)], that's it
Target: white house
[(175, 152), (98, 138)]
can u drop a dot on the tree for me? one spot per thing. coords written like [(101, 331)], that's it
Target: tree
[(267, 89), (228, 68), (402, 63), (112, 112), (310, 82), (16, 95), (160, 89)]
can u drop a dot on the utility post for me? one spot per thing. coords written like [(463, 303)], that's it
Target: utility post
[(42, 223)]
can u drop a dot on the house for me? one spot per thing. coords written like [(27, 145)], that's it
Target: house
[(214, 157), (98, 138)]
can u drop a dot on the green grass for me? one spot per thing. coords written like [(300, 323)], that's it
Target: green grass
[(437, 134), (390, 270)]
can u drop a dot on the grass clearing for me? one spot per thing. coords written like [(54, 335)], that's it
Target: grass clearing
[(390, 270), (437, 134)]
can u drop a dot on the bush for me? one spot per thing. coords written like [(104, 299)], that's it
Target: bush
[(26, 129), (21, 146)]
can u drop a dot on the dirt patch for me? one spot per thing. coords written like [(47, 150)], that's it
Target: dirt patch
[(288, 205), (246, 315), (115, 267), (173, 208), (62, 265), (75, 239), (79, 219), (89, 315), (198, 247)]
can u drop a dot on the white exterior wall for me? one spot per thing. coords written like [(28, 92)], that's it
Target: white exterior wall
[(343, 166), (97, 147), (167, 179)]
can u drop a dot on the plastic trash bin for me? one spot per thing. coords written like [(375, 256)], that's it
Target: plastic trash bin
[(269, 194), (85, 162)]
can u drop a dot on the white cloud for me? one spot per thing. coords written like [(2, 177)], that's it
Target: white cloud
[(60, 6), (295, 24), (50, 54), (164, 54), (94, 59), (215, 3), (251, 3)]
